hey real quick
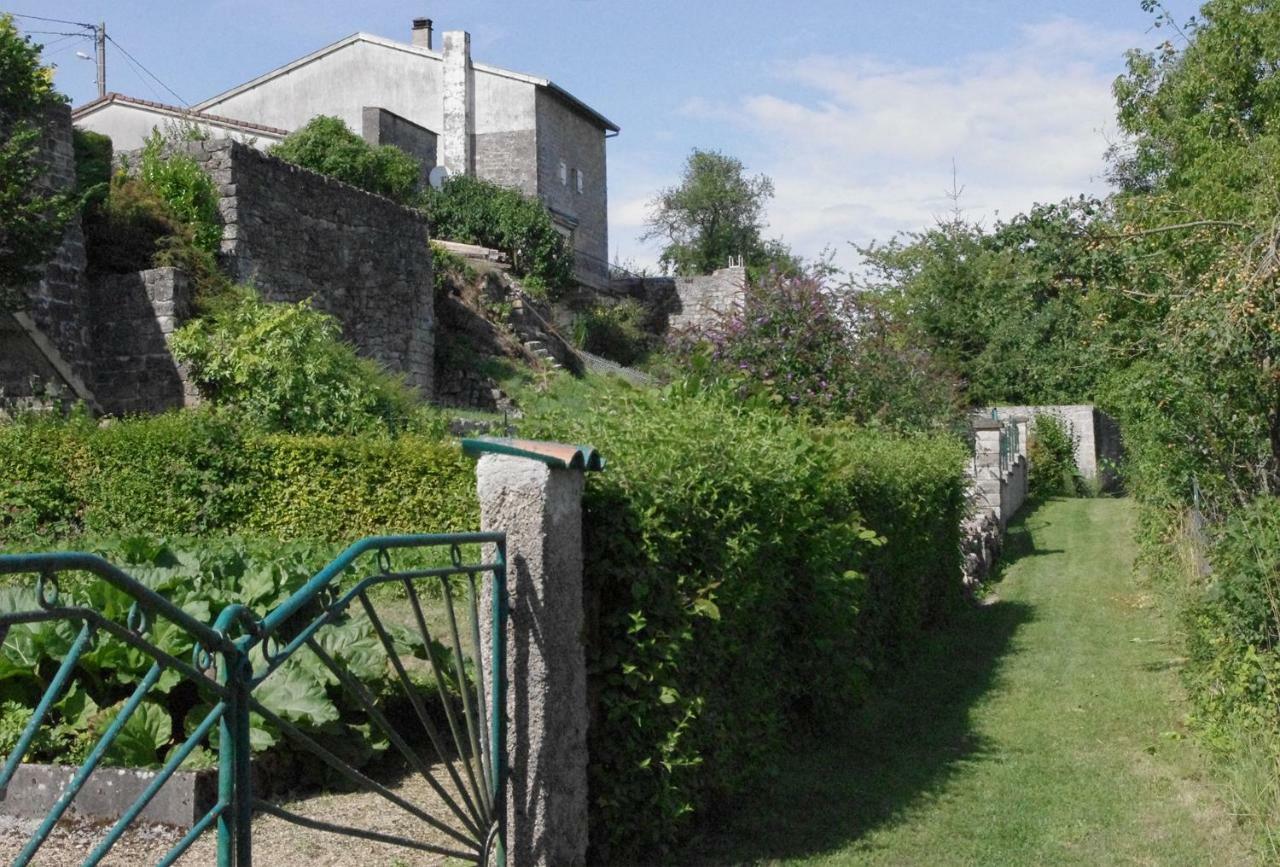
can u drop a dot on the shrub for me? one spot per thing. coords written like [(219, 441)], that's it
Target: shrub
[(178, 180), (284, 367), (165, 216), (813, 350), (93, 162), (126, 230), (204, 473), (1051, 454), (326, 145), (617, 332), (476, 211), (748, 574), (1232, 624)]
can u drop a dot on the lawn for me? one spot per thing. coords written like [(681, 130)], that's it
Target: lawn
[(1043, 727)]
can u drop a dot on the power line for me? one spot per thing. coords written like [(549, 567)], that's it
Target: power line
[(54, 20), (54, 33), (135, 61), (48, 46)]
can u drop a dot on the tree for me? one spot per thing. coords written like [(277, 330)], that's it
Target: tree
[(1010, 312), (715, 214), (1198, 174), (32, 218)]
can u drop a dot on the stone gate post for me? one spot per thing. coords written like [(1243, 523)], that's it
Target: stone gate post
[(533, 492)]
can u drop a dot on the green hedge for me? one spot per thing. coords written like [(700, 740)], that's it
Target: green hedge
[(196, 473), (749, 575)]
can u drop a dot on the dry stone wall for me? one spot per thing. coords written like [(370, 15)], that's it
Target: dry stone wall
[(681, 303), (134, 317), (297, 235), (997, 491), (59, 301)]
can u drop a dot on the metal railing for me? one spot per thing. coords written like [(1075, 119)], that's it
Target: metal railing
[(471, 763)]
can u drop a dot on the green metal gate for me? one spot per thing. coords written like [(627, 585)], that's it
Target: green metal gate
[(240, 651)]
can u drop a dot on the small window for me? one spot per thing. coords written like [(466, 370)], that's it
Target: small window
[(564, 174), (577, 180)]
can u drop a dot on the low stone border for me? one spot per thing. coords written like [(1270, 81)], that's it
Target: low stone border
[(182, 800)]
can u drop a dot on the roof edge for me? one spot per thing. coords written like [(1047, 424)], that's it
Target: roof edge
[(373, 39), (175, 110)]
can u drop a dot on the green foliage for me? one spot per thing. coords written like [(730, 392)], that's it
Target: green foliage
[(616, 332), (799, 345), (166, 216), (1051, 454), (284, 367), (715, 214), (475, 211), (192, 199), (31, 220), (1010, 312), (1195, 329), (1233, 626), (126, 230), (202, 580), (93, 154), (731, 556), (207, 474), (1202, 157), (326, 145)]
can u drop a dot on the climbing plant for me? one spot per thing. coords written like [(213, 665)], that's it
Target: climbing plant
[(31, 217)]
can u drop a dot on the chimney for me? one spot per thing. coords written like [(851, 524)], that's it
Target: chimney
[(422, 33), (459, 104)]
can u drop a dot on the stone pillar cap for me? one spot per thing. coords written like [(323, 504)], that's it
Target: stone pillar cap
[(558, 455)]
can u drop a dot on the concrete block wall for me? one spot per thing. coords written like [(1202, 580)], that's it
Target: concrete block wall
[(298, 235), (1098, 447)]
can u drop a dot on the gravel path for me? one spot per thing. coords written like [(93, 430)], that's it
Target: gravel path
[(276, 843)]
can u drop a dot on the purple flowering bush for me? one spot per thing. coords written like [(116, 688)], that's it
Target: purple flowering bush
[(825, 353)]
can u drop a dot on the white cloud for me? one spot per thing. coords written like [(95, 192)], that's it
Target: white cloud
[(860, 148)]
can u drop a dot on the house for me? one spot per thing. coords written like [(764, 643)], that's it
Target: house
[(129, 121), (514, 129)]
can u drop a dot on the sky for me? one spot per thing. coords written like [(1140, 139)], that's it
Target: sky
[(866, 115)]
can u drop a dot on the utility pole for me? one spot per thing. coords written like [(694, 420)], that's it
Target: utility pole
[(100, 51)]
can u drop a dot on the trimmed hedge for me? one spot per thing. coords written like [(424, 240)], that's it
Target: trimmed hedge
[(196, 473), (748, 576)]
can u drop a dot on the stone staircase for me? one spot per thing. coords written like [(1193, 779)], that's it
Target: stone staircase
[(537, 347)]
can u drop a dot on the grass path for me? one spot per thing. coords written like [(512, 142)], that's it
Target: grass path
[(1043, 728)]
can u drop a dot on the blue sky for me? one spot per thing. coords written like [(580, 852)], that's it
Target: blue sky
[(856, 109)]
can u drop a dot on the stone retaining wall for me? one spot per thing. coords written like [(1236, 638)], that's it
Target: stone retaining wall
[(59, 301), (298, 235), (134, 317)]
